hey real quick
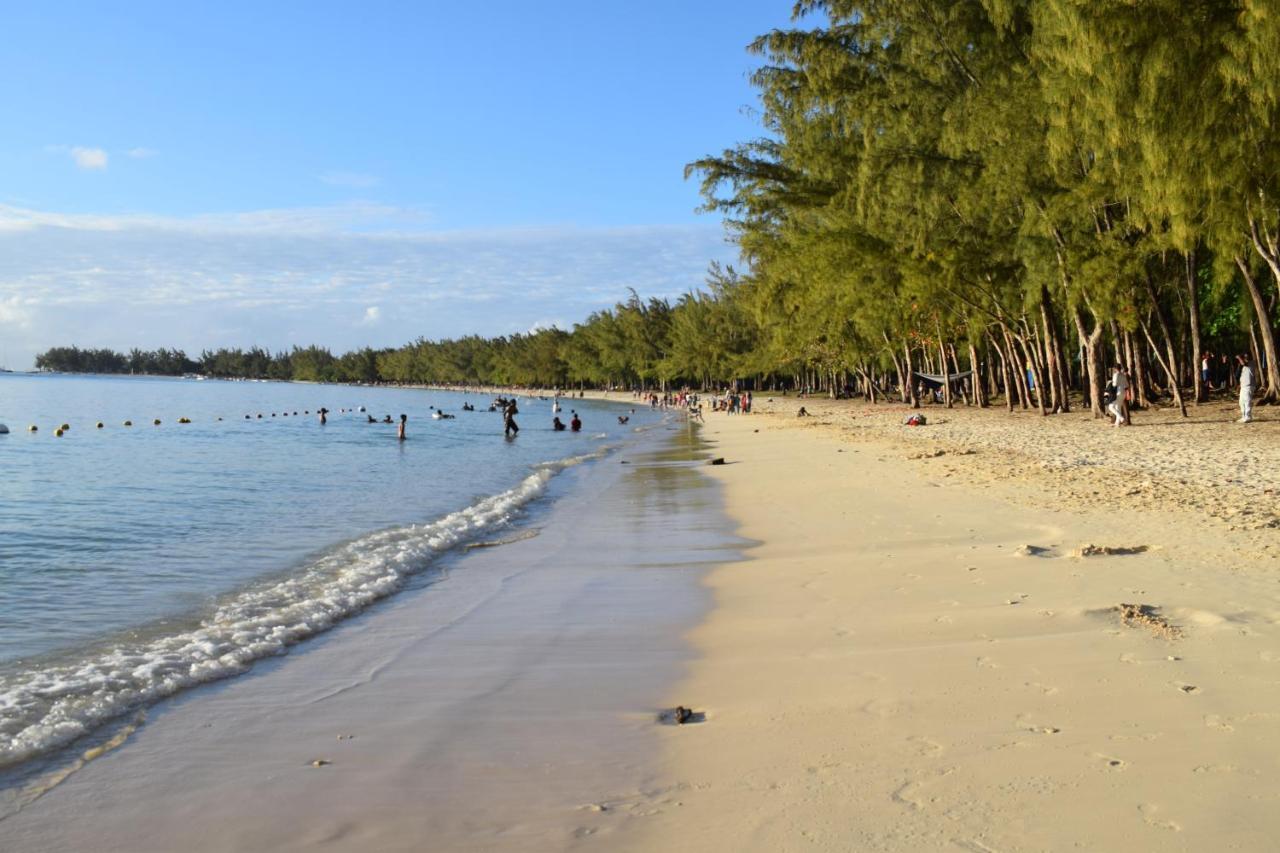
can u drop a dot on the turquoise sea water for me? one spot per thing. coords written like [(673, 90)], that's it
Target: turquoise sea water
[(138, 561)]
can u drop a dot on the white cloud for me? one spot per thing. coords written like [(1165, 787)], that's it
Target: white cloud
[(14, 313), (89, 158), (354, 180), (540, 325), (278, 278), (141, 153)]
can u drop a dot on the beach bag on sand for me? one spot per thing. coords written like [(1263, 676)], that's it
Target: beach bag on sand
[(914, 420)]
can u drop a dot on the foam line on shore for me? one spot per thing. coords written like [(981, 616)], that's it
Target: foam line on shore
[(48, 707)]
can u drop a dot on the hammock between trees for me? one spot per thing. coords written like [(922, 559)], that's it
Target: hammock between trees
[(937, 378)]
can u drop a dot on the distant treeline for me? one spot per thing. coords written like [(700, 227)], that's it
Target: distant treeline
[(695, 341)]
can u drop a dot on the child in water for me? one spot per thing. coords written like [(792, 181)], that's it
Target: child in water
[(400, 429)]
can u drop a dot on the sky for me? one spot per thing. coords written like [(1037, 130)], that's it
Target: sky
[(350, 174)]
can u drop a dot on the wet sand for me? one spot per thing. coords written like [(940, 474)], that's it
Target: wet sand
[(509, 705), (928, 650)]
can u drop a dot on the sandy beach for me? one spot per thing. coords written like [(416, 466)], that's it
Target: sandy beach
[(991, 633)]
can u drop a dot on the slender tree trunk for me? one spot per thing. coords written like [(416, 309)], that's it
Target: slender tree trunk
[(1193, 302), (1165, 366), (979, 392), (1061, 382), (1137, 368), (1016, 365), (1089, 341), (1171, 353), (955, 362), (897, 368), (1004, 372), (1037, 375), (911, 378), (1253, 349), (946, 373), (1271, 393)]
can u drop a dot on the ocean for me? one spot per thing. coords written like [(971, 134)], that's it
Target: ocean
[(138, 561)]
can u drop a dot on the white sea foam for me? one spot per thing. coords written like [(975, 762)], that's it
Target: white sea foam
[(48, 707)]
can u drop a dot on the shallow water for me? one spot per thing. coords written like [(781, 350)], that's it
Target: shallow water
[(136, 561)]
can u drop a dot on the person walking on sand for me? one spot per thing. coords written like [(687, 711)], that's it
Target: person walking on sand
[(400, 429), (1120, 405), (1246, 389)]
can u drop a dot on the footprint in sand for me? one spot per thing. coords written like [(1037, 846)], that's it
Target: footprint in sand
[(1186, 688), (882, 708), (987, 663), (1213, 721), (1148, 811), (1111, 762), (925, 745), (1046, 689), (908, 794)]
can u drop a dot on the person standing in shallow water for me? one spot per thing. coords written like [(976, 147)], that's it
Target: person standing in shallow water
[(400, 429), (576, 423), (509, 425)]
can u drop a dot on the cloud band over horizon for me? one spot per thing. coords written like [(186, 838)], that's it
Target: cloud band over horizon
[(342, 277)]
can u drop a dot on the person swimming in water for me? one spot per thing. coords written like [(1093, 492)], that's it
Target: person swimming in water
[(322, 413), (557, 424), (400, 430), (372, 419), (576, 423), (387, 419)]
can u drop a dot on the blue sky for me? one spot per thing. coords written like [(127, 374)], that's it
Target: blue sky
[(357, 173)]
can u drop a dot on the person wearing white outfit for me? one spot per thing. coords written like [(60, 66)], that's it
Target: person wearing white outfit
[(1246, 389), (1118, 406)]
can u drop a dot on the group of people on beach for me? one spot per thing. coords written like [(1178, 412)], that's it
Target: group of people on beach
[(1119, 391)]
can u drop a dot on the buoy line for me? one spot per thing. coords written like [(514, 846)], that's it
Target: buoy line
[(64, 428)]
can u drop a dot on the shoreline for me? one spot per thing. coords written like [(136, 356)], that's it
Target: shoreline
[(919, 654), (494, 708)]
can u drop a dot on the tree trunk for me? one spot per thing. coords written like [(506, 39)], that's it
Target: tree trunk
[(1015, 365), (1168, 370), (1271, 393), (911, 378), (979, 392), (955, 362), (1171, 353), (946, 372), (1089, 340), (1037, 376), (1193, 299), (1061, 382)]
